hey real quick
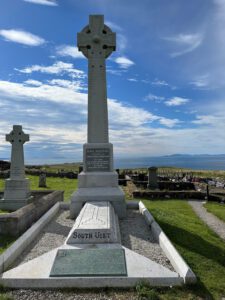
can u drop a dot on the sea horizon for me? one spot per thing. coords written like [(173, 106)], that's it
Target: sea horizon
[(196, 162)]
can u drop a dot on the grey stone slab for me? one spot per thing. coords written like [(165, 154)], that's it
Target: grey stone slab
[(89, 262), (96, 223)]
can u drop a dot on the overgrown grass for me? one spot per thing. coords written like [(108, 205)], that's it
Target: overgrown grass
[(202, 249), (217, 209)]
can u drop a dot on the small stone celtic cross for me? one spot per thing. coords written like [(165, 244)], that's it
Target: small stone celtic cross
[(17, 135)]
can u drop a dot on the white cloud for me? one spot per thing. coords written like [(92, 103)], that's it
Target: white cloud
[(132, 79), (67, 50), (169, 122), (156, 81), (73, 85), (124, 62), (58, 67), (33, 82), (176, 101), (45, 92), (113, 26), (43, 2), (61, 129), (185, 42), (151, 97), (213, 120), (201, 81), (21, 37)]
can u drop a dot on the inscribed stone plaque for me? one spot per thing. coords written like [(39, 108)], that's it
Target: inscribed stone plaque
[(89, 262), (96, 224), (98, 159)]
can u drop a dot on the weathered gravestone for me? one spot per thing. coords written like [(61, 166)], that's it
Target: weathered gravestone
[(98, 181), (42, 180), (152, 178), (17, 187)]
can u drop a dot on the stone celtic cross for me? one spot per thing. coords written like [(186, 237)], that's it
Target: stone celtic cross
[(17, 138), (96, 41)]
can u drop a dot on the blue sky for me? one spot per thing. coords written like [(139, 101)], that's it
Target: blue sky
[(166, 81)]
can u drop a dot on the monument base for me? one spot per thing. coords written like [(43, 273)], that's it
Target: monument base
[(114, 195), (16, 195)]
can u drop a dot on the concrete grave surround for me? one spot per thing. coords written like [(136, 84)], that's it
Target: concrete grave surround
[(98, 181), (36, 272), (17, 187), (96, 223)]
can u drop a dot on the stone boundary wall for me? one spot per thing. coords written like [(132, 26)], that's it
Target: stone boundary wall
[(15, 223), (169, 194), (176, 195), (168, 185)]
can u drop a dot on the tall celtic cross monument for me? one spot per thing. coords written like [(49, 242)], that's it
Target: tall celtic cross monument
[(17, 187), (98, 181)]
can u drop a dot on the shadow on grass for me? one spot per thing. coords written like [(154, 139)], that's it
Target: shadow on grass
[(194, 243)]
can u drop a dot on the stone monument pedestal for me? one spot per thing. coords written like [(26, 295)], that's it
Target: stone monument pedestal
[(98, 181), (16, 195)]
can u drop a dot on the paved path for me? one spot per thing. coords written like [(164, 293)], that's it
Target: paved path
[(212, 221)]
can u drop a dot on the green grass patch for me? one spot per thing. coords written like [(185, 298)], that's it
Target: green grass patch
[(202, 249), (55, 183), (3, 212), (217, 209), (5, 242)]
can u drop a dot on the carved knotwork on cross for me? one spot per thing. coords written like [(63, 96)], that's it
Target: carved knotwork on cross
[(96, 39), (17, 136)]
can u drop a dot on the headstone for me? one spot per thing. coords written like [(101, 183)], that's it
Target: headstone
[(42, 180), (17, 187), (96, 224), (152, 178), (98, 181)]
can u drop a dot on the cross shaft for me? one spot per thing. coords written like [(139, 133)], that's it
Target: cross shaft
[(96, 41)]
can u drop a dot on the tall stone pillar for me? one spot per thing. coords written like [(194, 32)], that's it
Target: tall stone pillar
[(98, 181), (17, 187)]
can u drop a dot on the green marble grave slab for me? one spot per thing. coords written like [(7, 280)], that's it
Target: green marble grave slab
[(89, 262)]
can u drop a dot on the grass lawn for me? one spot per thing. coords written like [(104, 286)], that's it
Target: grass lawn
[(203, 250), (217, 209), (55, 183)]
